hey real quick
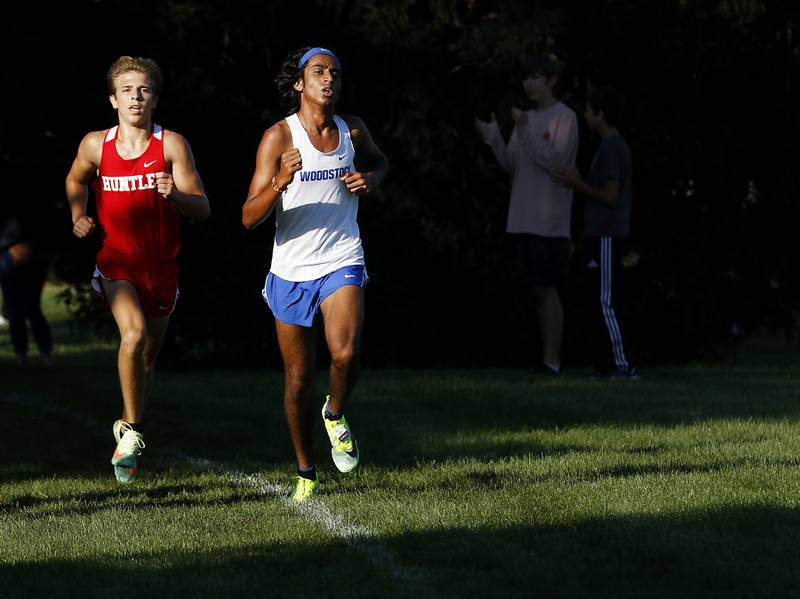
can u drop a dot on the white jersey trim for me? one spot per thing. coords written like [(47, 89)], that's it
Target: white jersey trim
[(158, 132)]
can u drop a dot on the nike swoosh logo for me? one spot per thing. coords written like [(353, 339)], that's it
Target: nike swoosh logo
[(353, 453), (342, 157), (146, 164)]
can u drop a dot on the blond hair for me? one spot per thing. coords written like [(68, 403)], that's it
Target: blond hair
[(124, 64)]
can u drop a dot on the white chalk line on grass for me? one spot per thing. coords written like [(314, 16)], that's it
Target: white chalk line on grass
[(314, 510)]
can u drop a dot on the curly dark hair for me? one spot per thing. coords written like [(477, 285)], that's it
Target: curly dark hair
[(288, 75)]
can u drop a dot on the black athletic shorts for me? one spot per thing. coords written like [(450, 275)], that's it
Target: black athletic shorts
[(543, 261)]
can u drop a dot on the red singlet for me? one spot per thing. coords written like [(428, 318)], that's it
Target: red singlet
[(140, 229), (135, 218)]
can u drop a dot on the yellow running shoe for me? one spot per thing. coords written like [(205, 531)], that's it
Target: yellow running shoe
[(129, 445), (304, 488), (344, 449)]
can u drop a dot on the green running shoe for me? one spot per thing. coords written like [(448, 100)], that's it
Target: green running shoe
[(344, 449), (129, 445), (304, 488)]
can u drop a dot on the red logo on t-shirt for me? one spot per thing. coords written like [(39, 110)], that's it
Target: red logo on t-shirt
[(546, 135)]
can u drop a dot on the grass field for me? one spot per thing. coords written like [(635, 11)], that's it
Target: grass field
[(474, 483)]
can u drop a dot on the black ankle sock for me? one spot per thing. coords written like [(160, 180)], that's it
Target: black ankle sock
[(138, 427), (332, 415), (310, 473)]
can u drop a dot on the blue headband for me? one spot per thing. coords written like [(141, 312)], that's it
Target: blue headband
[(313, 52)]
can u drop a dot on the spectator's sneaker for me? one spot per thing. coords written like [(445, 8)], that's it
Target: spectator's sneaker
[(129, 446), (344, 449), (546, 370), (304, 488), (625, 374)]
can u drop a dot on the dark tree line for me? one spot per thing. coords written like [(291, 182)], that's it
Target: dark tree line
[(712, 121)]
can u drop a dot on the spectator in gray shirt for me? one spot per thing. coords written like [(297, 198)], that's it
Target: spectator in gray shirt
[(607, 213)]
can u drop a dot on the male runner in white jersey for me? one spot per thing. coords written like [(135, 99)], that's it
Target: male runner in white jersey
[(305, 170)]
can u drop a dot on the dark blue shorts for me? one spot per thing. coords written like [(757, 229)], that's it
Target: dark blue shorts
[(544, 261), (297, 302)]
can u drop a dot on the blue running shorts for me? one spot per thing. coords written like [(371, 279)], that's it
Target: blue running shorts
[(297, 302)]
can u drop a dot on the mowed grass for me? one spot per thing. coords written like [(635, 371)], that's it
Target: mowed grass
[(473, 483)]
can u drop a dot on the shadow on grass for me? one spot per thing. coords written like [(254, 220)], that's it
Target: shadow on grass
[(135, 497), (737, 552), (261, 570)]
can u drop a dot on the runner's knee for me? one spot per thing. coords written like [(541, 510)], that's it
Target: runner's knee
[(298, 382), (344, 357), (133, 339)]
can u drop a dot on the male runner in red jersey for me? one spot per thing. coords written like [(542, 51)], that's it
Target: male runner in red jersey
[(144, 178)]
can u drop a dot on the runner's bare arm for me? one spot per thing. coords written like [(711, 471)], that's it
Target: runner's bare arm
[(182, 186), (367, 154), (276, 164), (84, 167)]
